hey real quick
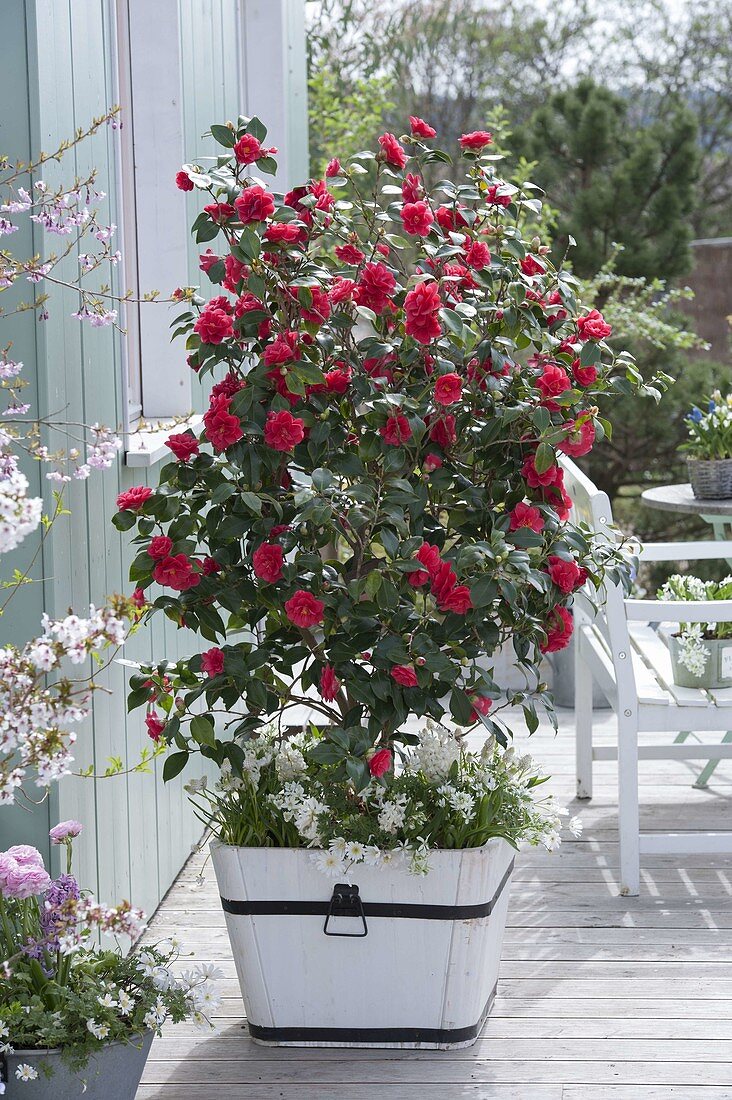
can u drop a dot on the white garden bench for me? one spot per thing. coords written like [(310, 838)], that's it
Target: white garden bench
[(616, 646)]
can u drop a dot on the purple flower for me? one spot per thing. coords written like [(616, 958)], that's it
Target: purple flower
[(26, 855), (53, 920), (64, 831), (19, 880)]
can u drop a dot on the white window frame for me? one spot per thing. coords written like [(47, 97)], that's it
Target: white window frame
[(153, 228)]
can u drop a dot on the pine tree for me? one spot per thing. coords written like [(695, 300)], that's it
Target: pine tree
[(614, 184)]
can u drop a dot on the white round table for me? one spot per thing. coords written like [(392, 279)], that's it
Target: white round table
[(680, 498)]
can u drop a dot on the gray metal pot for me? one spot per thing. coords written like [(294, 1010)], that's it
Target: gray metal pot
[(113, 1073), (718, 670)]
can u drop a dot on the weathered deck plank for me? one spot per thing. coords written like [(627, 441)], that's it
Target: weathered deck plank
[(600, 996)]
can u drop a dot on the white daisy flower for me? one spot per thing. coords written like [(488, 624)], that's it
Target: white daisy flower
[(24, 1072)]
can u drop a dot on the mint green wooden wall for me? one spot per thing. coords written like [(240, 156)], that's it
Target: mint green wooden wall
[(57, 58)]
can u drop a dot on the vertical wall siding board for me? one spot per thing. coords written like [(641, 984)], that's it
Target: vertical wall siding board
[(22, 617), (59, 370), (92, 96)]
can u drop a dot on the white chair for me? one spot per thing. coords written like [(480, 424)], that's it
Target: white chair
[(616, 646)]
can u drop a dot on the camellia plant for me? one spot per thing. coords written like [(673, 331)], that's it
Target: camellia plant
[(375, 504)]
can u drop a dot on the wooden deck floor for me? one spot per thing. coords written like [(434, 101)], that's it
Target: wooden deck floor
[(600, 997)]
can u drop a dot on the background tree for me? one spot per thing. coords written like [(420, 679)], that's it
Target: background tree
[(616, 184)]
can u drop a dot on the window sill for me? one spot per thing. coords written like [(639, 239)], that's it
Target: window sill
[(147, 446)]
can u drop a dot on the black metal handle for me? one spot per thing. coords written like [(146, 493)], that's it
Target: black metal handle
[(346, 902)]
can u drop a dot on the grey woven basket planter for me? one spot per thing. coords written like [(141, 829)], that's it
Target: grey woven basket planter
[(717, 672), (711, 479), (113, 1073)]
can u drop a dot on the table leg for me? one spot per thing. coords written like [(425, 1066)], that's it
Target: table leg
[(722, 527), (708, 770)]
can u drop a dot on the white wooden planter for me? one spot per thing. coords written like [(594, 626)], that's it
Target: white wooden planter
[(389, 960)]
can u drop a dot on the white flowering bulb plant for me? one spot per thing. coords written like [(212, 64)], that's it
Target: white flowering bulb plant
[(59, 989), (440, 795), (710, 432), (693, 653)]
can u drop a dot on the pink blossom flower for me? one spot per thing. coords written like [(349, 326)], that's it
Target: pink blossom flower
[(65, 830)]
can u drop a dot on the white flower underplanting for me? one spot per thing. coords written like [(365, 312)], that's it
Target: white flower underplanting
[(439, 795), (694, 651)]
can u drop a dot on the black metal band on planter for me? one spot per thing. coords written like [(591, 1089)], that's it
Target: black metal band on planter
[(376, 1035), (368, 908)]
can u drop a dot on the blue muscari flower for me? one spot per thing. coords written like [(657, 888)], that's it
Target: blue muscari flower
[(696, 415), (712, 407)]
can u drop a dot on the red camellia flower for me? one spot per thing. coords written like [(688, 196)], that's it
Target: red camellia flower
[(531, 266), (442, 432), (267, 561), (375, 286), (558, 630), (396, 430), (183, 445), (420, 307), (318, 312), (338, 379), (235, 272), (304, 610), (593, 326), (176, 572), (481, 705), (138, 598), (420, 128), (160, 547), (412, 189), (404, 675), (552, 382), (448, 389), (429, 556), (210, 566), (380, 762), (283, 349), (458, 599), (247, 303), (283, 431), (477, 139), (584, 376), (432, 462), (133, 499), (183, 182), (222, 428), (417, 218), (248, 150), (207, 260), (214, 326), (333, 168), (155, 725), (212, 662), (393, 152), (349, 254), (282, 233), (254, 204), (341, 290), (450, 218), (567, 575), (525, 515), (219, 211), (534, 479), (580, 439), (494, 198), (329, 684), (478, 255)]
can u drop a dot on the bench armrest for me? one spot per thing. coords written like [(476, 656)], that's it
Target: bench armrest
[(685, 551), (679, 611)]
